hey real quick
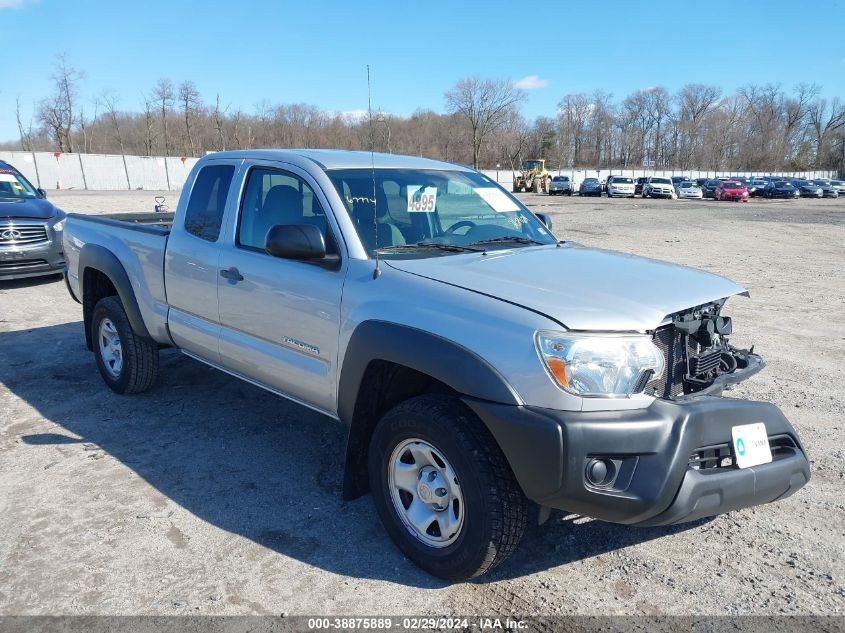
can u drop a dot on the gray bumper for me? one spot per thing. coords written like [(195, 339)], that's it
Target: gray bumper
[(32, 261), (656, 481)]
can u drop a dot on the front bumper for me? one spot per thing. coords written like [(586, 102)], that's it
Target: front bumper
[(655, 482), (44, 258)]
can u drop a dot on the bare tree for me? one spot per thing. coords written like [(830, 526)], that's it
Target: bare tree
[(189, 100), (25, 134), (219, 123), (163, 93), (149, 124), (57, 111), (825, 118), (109, 102), (515, 135), (484, 104), (695, 101)]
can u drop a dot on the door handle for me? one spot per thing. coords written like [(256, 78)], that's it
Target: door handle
[(232, 274)]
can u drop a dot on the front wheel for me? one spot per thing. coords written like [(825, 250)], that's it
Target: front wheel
[(443, 489), (127, 362)]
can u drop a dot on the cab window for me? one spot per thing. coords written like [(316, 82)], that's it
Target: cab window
[(274, 197)]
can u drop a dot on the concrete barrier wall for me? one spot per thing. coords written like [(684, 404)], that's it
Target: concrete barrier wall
[(107, 172), (111, 172)]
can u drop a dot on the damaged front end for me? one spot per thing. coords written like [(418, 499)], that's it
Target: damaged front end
[(699, 358)]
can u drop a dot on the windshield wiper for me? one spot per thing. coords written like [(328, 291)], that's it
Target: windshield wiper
[(516, 239), (436, 245)]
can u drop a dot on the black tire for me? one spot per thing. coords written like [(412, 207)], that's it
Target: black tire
[(495, 509), (139, 366)]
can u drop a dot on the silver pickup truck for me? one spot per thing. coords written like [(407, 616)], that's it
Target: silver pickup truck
[(483, 368)]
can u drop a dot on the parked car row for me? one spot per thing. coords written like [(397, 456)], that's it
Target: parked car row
[(737, 188)]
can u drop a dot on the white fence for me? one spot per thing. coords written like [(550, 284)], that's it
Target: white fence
[(50, 170), (505, 176)]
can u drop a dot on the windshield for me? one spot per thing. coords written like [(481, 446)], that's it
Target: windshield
[(531, 164), (660, 181), (13, 185), (619, 180), (416, 212), (687, 185), (590, 181), (561, 178)]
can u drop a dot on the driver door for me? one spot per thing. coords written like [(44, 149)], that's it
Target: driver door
[(280, 318)]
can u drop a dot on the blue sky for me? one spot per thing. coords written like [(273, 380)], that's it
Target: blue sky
[(316, 52)]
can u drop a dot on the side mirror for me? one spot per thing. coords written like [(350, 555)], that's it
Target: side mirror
[(41, 193), (295, 241), (545, 219)]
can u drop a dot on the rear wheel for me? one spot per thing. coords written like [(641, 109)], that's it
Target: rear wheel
[(443, 488), (127, 362)]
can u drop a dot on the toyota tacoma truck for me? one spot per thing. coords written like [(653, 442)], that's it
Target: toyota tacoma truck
[(483, 368)]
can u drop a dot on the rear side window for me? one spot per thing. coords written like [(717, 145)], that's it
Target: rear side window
[(208, 201)]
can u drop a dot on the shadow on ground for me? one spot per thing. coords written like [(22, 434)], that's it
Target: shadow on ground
[(245, 460)]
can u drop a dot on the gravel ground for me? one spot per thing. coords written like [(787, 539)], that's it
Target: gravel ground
[(209, 496)]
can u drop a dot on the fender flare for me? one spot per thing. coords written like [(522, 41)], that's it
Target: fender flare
[(446, 361), (103, 260)]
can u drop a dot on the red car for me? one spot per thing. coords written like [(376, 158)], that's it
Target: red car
[(730, 190)]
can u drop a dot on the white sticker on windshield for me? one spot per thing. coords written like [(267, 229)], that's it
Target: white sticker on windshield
[(497, 199), (421, 199), (8, 178)]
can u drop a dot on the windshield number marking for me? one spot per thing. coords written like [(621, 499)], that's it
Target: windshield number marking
[(421, 199)]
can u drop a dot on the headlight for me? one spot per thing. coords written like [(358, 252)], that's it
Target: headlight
[(600, 364), (60, 225)]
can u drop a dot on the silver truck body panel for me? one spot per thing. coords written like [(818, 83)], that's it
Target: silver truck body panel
[(142, 256), (580, 288), (192, 270)]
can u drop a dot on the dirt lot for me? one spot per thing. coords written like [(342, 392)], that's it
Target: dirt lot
[(209, 496)]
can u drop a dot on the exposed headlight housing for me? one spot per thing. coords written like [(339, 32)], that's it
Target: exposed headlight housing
[(600, 365)]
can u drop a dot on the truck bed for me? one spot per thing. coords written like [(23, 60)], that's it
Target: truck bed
[(158, 223), (138, 241)]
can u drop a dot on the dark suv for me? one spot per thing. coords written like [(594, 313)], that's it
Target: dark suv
[(638, 185), (30, 229)]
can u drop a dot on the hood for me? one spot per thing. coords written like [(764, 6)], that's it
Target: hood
[(31, 208), (581, 288)]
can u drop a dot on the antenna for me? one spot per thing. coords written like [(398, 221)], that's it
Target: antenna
[(377, 271)]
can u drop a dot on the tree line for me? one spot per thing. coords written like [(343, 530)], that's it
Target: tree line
[(755, 128)]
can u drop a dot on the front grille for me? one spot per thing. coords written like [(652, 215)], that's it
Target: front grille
[(670, 341), (22, 234), (22, 265), (721, 455)]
